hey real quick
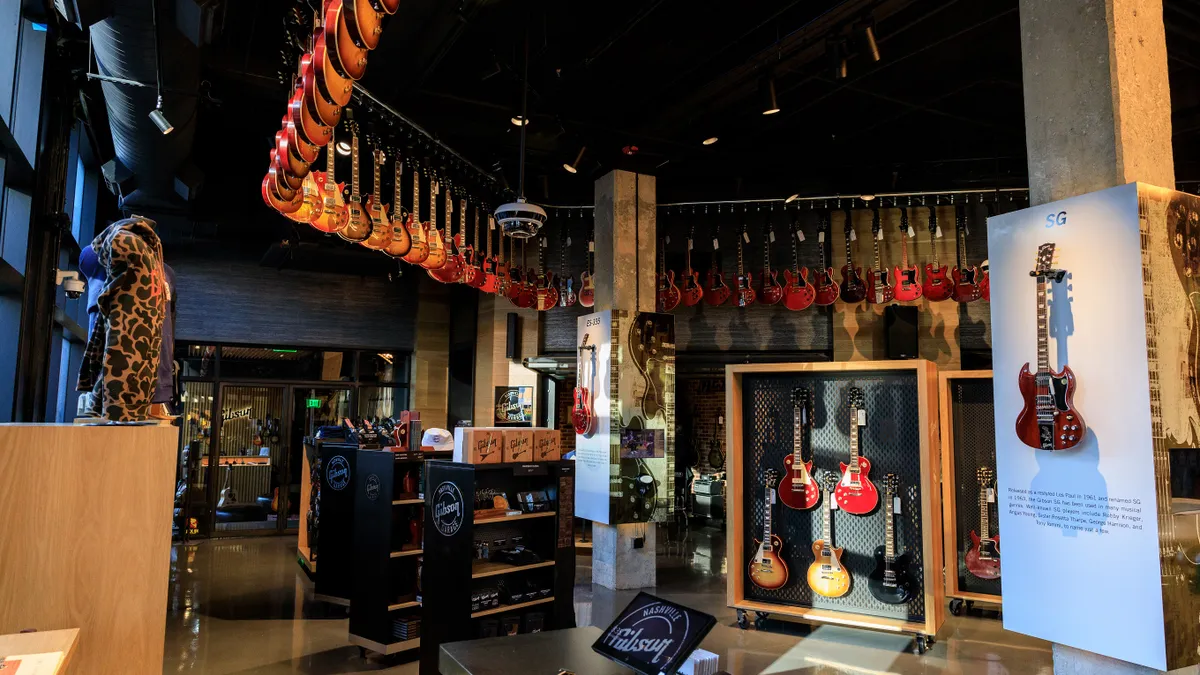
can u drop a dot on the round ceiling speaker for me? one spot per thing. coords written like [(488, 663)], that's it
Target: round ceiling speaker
[(520, 219)]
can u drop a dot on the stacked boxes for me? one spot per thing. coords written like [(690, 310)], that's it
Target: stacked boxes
[(489, 445)]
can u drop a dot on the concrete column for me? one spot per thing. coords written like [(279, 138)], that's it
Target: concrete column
[(492, 368), (624, 258), (1097, 115)]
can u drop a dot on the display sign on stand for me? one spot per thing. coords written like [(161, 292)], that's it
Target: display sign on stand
[(1094, 332), (653, 636)]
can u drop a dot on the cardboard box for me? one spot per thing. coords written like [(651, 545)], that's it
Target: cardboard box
[(475, 445), (546, 445), (518, 445)]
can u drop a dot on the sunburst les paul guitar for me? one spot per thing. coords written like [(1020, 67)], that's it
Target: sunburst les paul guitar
[(937, 285), (767, 569), (827, 576), (798, 489), (855, 492), (358, 223), (418, 250), (983, 558)]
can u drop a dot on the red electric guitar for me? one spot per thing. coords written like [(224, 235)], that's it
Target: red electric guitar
[(716, 293), (907, 279), (855, 492), (828, 290), (770, 292), (691, 291), (798, 489), (797, 292), (985, 284), (526, 296), (490, 266), (879, 289), (744, 284), (937, 286), (437, 245), (854, 289), (473, 274), (966, 277), (1049, 420), (546, 292), (983, 558), (667, 295), (581, 413), (451, 272)]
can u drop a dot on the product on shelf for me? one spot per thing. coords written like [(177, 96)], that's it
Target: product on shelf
[(546, 445), (889, 582), (518, 445), (827, 575), (767, 569)]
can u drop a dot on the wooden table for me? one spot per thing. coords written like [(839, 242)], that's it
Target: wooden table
[(50, 642), (533, 653)]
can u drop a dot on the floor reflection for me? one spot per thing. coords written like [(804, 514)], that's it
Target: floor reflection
[(242, 606)]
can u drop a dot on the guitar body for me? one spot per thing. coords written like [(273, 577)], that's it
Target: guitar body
[(587, 290), (771, 292), (388, 6), (879, 289), (716, 293), (358, 223), (310, 207), (827, 290), (1069, 428), (894, 591), (581, 413), (303, 149), (566, 292), (381, 226), (966, 287), (490, 282), (418, 251), (692, 292), (745, 290), (907, 283), (401, 241), (641, 488), (798, 293), (321, 104), (854, 290), (937, 286), (351, 58), (333, 215), (364, 22), (308, 127), (330, 83), (289, 160), (451, 271), (767, 570), (793, 491), (983, 558), (437, 249), (985, 286), (546, 295), (826, 575), (272, 199), (668, 296), (858, 498), (526, 294)]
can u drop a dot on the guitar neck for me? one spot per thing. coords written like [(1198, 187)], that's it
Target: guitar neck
[(767, 545), (741, 271), (375, 185), (354, 194), (853, 467), (1043, 328), (983, 513), (827, 522), (462, 220), (399, 171), (330, 161), (767, 252), (434, 189), (448, 220), (889, 544), (960, 230), (798, 437), (875, 243)]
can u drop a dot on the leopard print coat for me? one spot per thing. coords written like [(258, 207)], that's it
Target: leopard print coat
[(121, 360)]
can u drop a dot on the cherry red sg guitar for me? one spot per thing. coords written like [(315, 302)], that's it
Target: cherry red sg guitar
[(716, 293), (855, 492), (770, 292), (827, 289), (691, 291), (937, 285), (907, 279)]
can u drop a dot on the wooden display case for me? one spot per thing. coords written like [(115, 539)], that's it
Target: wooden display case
[(924, 442), (952, 463)]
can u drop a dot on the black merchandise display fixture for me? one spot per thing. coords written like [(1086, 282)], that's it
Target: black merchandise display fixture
[(968, 444), (455, 580), (899, 437), (335, 531)]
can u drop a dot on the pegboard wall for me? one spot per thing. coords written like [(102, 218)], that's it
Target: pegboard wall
[(891, 440), (972, 410)]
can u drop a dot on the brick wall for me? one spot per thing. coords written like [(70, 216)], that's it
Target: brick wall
[(700, 409), (565, 402)]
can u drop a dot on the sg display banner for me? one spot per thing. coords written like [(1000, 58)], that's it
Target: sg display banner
[(1094, 334)]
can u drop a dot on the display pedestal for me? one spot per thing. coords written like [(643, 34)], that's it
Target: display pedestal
[(617, 562), (87, 539)]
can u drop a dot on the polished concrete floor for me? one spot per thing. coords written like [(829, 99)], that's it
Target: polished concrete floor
[(243, 606)]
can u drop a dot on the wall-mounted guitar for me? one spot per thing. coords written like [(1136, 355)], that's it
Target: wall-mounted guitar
[(1049, 420), (937, 286), (767, 569), (966, 277), (587, 280), (271, 189), (358, 223), (350, 58), (437, 246), (472, 255), (566, 281), (744, 283), (377, 211), (854, 289), (333, 207), (826, 575), (879, 289), (546, 295), (418, 252), (716, 293), (490, 266), (797, 292), (985, 284), (856, 493), (889, 582), (581, 413), (983, 558), (827, 289), (691, 292), (798, 489), (401, 240), (667, 296), (907, 279), (770, 292), (451, 272), (527, 290)]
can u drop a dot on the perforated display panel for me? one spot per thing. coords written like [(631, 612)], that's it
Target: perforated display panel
[(972, 411), (890, 440)]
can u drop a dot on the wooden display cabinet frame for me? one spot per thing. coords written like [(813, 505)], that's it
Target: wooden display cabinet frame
[(932, 544), (949, 505)]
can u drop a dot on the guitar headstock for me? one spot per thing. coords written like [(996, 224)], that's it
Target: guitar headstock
[(933, 220), (986, 477), (829, 481), (875, 226), (802, 400), (1043, 264), (856, 398), (891, 484), (379, 156), (772, 478)]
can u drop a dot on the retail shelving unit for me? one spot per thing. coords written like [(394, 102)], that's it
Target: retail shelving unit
[(335, 531), (968, 443), (386, 554), (452, 571), (900, 437)]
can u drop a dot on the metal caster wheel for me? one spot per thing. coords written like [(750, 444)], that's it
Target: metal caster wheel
[(956, 606), (970, 605), (922, 644), (743, 621)]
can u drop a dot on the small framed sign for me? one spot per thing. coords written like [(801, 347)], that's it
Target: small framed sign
[(654, 636), (514, 406)]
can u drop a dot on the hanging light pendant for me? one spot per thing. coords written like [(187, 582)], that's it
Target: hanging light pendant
[(520, 219)]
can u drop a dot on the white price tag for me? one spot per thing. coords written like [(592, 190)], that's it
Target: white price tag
[(591, 247), (938, 233), (991, 496), (771, 236), (800, 235), (821, 237), (879, 235), (668, 239), (746, 237), (833, 505), (912, 234), (716, 244), (853, 235), (491, 223), (896, 505), (545, 243), (568, 241), (772, 497), (689, 244), (862, 417)]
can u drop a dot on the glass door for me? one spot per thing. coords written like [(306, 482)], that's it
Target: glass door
[(249, 477), (312, 408)]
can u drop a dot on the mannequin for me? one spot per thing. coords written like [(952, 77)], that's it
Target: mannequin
[(120, 364)]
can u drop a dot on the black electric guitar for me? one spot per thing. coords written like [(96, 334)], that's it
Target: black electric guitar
[(639, 489), (889, 582)]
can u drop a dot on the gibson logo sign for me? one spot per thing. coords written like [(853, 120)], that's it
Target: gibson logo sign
[(447, 509), (337, 474), (651, 634)]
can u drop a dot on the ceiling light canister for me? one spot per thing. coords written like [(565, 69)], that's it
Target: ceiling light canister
[(573, 167), (766, 91)]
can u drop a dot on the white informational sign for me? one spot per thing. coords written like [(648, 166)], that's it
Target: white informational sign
[(593, 448), (1079, 531)]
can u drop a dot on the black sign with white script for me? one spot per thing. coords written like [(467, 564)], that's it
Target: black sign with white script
[(654, 636)]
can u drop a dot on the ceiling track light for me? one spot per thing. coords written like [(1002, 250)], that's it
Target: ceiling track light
[(519, 121), (836, 49), (766, 91), (709, 141), (160, 120), (573, 167), (869, 44)]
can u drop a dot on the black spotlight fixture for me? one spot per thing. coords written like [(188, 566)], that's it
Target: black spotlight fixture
[(869, 45), (766, 91), (836, 49), (157, 116)]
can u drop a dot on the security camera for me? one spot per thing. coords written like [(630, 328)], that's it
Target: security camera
[(71, 282)]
